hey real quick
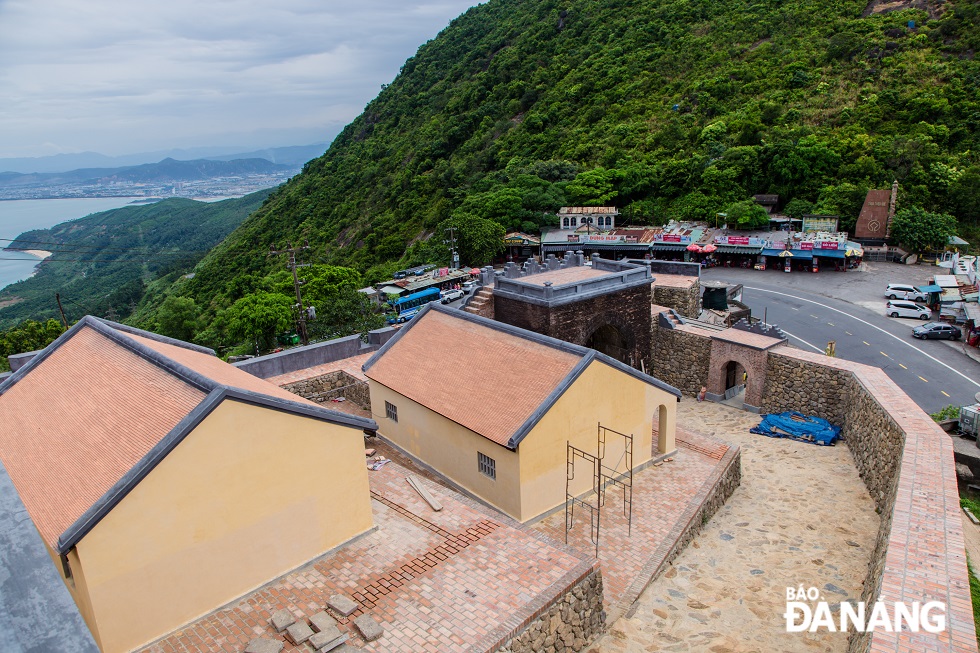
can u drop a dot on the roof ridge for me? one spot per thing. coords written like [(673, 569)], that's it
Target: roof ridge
[(118, 326)]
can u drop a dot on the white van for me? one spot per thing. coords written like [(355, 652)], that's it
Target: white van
[(902, 308), (468, 286)]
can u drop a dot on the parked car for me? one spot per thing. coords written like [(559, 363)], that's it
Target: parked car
[(451, 295), (936, 330), (468, 286), (900, 290), (901, 308)]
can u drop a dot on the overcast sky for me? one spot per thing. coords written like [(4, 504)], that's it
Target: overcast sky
[(125, 76)]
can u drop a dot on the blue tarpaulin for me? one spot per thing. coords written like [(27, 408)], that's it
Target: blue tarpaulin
[(929, 288), (798, 426)]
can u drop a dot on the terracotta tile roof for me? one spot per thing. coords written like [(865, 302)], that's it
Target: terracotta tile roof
[(94, 405), (219, 371), (485, 379), (64, 449), (754, 340)]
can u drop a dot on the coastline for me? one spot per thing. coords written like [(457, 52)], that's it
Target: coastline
[(40, 253)]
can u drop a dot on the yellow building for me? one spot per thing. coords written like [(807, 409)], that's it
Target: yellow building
[(494, 408), (166, 483)]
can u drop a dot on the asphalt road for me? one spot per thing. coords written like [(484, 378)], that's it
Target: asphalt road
[(815, 309)]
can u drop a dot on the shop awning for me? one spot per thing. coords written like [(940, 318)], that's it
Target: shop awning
[(772, 252), (802, 255), (748, 250), (827, 253), (669, 247), (972, 312), (927, 289)]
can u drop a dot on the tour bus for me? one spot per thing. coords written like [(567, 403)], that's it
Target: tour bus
[(405, 308)]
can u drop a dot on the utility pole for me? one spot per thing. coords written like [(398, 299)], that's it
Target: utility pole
[(454, 265), (57, 298), (292, 265)]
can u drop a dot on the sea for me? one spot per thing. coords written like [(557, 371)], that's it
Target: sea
[(18, 216)]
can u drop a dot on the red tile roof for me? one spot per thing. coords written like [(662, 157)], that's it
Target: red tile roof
[(80, 420), (483, 378), (90, 408)]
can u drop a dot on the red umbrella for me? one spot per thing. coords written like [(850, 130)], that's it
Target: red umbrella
[(709, 248), (475, 271), (694, 247)]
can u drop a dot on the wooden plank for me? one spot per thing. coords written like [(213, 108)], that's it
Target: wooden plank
[(429, 499)]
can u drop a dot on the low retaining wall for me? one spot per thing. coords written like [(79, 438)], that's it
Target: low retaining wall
[(685, 301), (569, 624), (301, 358), (327, 387)]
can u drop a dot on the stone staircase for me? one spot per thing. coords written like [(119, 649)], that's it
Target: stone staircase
[(481, 303)]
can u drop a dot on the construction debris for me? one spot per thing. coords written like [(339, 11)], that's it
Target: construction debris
[(429, 499)]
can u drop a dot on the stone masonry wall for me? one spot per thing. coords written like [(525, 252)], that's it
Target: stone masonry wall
[(569, 624), (680, 358), (686, 301), (906, 463), (322, 389), (792, 384)]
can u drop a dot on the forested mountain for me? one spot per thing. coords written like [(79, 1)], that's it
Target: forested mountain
[(666, 108), (105, 264)]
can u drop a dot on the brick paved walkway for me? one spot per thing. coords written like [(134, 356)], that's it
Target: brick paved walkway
[(665, 497), (436, 581)]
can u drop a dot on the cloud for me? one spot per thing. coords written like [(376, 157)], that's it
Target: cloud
[(120, 76)]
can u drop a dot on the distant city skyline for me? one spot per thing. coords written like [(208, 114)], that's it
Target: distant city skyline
[(119, 77)]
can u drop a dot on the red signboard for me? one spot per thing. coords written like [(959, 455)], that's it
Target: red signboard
[(738, 240), (806, 245), (826, 245), (671, 238)]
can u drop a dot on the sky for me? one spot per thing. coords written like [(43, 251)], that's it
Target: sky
[(125, 76)]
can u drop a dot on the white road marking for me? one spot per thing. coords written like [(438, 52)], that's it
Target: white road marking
[(802, 340), (849, 333), (865, 322)]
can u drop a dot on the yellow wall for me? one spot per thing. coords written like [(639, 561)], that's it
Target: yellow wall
[(602, 394), (531, 480), (249, 495), (449, 448)]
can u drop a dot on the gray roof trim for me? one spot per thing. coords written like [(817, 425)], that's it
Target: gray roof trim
[(296, 408), (91, 517), (47, 351), (637, 374), (125, 328), (74, 533), (577, 297), (550, 400)]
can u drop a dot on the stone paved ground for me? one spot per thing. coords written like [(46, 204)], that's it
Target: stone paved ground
[(663, 497), (436, 581), (801, 516)]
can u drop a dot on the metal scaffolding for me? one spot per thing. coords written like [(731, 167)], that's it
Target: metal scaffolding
[(602, 477)]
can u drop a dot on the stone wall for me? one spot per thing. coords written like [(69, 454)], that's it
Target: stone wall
[(793, 384), (680, 358), (628, 310), (569, 624), (686, 301), (327, 387)]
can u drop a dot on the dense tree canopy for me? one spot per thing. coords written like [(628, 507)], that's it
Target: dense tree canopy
[(922, 231)]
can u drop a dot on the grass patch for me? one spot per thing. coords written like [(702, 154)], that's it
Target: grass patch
[(975, 596), (972, 504)]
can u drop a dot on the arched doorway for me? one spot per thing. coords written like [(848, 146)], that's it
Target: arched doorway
[(610, 341)]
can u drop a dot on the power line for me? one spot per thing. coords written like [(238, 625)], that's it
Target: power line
[(97, 247)]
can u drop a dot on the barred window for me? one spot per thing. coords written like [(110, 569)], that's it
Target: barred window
[(486, 465), (391, 411)]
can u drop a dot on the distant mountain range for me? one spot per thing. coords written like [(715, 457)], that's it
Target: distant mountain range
[(166, 171), (294, 156)]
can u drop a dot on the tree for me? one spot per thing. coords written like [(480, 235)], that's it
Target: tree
[(178, 318), (27, 336), (921, 231), (479, 240), (747, 215), (258, 317)]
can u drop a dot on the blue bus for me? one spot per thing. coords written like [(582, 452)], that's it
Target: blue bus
[(408, 306)]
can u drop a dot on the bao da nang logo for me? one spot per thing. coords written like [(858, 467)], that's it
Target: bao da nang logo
[(806, 611)]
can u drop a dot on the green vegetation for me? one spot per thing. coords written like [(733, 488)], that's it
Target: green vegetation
[(923, 231), (666, 109), (107, 263), (946, 412), (975, 595), (27, 336)]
